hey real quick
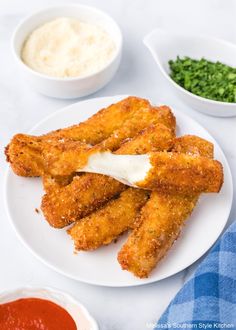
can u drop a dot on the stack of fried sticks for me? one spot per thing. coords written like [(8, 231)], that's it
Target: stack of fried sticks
[(98, 208)]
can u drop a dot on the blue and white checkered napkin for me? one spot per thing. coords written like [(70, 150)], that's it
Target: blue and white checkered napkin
[(208, 299)]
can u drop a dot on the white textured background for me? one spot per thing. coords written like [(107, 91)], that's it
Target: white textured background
[(21, 108)]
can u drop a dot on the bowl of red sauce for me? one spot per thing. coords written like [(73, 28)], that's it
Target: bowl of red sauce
[(43, 309)]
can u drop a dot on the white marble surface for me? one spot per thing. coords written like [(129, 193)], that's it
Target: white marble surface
[(21, 108)]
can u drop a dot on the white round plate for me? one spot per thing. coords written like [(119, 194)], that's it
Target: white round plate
[(54, 247)]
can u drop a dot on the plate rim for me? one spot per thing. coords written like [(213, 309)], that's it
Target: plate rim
[(113, 284)]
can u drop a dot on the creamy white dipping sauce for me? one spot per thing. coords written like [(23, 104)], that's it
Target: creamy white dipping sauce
[(128, 169), (67, 47)]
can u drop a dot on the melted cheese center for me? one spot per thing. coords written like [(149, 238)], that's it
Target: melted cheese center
[(128, 169)]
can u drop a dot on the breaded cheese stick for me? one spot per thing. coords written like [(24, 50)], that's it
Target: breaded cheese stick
[(104, 225), (182, 173), (161, 219), (36, 156), (160, 171), (63, 205), (51, 184), (88, 192), (29, 156), (139, 121), (193, 145), (103, 123), (24, 152), (95, 230), (66, 158)]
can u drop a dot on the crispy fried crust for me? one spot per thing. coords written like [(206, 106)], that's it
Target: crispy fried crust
[(182, 173), (102, 124), (51, 184), (103, 226), (24, 152), (82, 196), (100, 228), (73, 157), (36, 156), (31, 156), (20, 153), (67, 157), (155, 137), (193, 145), (139, 121), (90, 191), (161, 219)]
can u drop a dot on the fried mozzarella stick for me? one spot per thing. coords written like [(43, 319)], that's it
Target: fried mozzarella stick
[(161, 219), (103, 123), (65, 158), (29, 156), (141, 120), (182, 173), (34, 156), (104, 225), (160, 171), (86, 193), (100, 229), (24, 152)]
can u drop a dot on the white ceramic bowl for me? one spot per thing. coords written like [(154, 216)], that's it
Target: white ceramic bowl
[(78, 312), (165, 46), (67, 87)]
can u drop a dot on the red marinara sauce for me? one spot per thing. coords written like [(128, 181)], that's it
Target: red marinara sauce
[(34, 314)]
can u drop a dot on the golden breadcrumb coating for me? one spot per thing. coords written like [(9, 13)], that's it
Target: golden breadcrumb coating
[(102, 208), (99, 228), (103, 123), (35, 156), (103, 226), (90, 191), (182, 173), (139, 121), (161, 219), (31, 156), (193, 145)]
